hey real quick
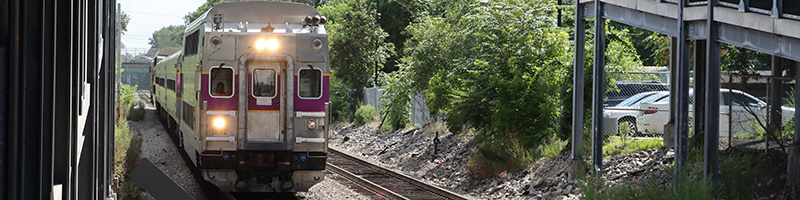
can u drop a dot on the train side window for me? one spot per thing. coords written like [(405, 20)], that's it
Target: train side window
[(221, 84), (264, 83), (171, 84), (310, 83), (191, 43)]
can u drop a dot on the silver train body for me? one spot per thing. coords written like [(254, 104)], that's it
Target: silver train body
[(247, 96)]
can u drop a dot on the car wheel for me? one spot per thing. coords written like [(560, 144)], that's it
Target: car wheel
[(631, 125)]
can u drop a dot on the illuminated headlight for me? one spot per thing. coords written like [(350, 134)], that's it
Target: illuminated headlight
[(219, 123), (312, 124), (271, 44), (260, 44)]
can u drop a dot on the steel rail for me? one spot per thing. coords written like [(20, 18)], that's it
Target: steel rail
[(364, 182), (435, 189)]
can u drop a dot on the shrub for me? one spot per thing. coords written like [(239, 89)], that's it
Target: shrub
[(497, 156), (364, 114), (136, 113), (127, 95), (126, 156)]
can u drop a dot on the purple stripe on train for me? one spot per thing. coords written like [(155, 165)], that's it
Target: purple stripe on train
[(312, 105), (306, 105), (219, 103)]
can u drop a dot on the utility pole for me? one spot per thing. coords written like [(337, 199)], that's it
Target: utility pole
[(558, 23), (377, 43), (118, 67)]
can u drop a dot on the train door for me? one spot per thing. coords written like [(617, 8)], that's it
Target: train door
[(266, 101)]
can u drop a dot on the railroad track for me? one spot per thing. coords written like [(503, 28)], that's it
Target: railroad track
[(382, 181)]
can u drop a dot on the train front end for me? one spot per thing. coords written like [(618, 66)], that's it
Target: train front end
[(264, 99)]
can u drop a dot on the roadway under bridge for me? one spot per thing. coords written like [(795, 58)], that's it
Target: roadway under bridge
[(769, 26)]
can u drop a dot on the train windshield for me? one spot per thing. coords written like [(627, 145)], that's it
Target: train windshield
[(310, 85), (221, 82), (264, 83)]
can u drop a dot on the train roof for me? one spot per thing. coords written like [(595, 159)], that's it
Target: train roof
[(171, 57), (275, 12)]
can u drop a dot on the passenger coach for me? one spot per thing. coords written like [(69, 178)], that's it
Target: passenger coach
[(248, 96)]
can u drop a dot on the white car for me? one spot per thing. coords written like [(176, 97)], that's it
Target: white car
[(626, 111), (745, 109)]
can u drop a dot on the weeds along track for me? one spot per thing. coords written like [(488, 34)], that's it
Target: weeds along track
[(382, 181)]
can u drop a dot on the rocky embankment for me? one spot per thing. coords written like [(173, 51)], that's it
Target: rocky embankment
[(445, 164)]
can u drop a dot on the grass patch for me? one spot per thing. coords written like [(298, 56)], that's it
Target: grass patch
[(126, 156), (499, 156), (616, 144), (551, 148), (688, 188)]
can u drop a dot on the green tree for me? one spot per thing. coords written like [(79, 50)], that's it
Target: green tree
[(357, 45), (124, 19), (501, 67), (168, 36)]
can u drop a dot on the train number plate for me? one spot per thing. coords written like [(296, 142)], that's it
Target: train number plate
[(264, 102)]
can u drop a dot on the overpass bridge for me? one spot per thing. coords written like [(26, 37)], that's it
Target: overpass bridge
[(767, 26)]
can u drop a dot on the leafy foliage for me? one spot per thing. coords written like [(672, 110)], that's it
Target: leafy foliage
[(168, 36), (358, 47), (126, 156), (127, 95), (364, 114)]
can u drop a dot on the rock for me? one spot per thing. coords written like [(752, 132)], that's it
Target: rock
[(537, 183), (560, 184), (568, 190)]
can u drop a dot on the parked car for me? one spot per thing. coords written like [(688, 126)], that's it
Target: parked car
[(626, 89), (626, 111), (745, 109)]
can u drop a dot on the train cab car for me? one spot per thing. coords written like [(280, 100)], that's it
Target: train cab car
[(248, 96)]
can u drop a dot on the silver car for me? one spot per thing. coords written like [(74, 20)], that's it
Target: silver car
[(626, 111)]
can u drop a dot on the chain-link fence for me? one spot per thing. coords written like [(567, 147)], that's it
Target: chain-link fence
[(638, 106), (746, 100)]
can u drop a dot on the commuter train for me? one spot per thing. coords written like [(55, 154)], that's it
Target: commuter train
[(247, 96)]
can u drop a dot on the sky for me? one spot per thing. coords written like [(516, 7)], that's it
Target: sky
[(147, 16)]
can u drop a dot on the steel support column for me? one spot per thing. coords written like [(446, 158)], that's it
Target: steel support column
[(598, 88), (682, 93), (775, 101), (577, 86), (711, 127), (698, 111), (793, 159), (669, 139)]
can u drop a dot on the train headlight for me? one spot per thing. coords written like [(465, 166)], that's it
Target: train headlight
[(219, 123), (260, 44), (311, 124), (271, 44)]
